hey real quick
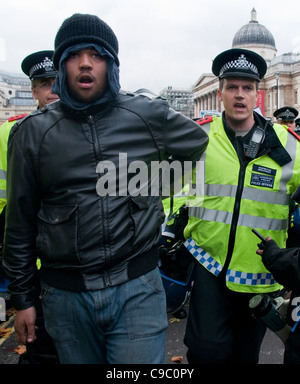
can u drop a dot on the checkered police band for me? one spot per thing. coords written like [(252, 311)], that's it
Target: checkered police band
[(45, 65), (239, 64)]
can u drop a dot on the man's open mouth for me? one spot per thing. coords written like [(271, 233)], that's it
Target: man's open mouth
[(239, 106), (85, 79)]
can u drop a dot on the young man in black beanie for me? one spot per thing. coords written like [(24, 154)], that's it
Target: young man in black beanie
[(102, 293)]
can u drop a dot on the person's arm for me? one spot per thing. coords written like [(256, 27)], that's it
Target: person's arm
[(19, 253), (185, 140), (284, 264)]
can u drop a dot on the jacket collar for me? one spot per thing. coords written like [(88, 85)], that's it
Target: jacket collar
[(271, 146)]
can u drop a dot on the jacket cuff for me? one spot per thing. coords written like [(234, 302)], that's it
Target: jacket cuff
[(22, 301), (268, 253)]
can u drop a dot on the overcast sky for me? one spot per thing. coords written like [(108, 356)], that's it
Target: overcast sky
[(162, 42)]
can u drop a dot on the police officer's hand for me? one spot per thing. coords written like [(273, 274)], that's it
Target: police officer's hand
[(25, 325)]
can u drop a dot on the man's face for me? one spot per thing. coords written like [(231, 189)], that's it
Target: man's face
[(42, 91), (239, 96), (86, 75)]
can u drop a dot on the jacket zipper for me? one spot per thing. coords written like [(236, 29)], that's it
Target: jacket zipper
[(235, 217), (105, 232)]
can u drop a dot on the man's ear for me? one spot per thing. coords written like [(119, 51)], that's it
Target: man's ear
[(220, 96)]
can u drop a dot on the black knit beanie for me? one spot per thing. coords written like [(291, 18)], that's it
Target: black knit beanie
[(82, 28)]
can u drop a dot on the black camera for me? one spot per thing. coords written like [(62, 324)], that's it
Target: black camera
[(272, 312)]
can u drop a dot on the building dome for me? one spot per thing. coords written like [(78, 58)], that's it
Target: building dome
[(256, 37)]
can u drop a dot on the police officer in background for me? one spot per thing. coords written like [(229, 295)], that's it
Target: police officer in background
[(286, 116), (297, 129), (251, 169)]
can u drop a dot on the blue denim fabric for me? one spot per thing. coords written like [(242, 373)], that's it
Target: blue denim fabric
[(125, 324)]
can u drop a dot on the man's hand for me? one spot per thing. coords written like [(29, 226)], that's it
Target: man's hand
[(25, 325)]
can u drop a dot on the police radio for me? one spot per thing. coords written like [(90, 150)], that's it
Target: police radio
[(261, 237), (255, 142)]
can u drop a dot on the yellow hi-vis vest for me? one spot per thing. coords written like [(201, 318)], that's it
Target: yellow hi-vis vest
[(237, 199), (5, 129)]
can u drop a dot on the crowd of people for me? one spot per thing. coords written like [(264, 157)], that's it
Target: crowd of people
[(87, 265)]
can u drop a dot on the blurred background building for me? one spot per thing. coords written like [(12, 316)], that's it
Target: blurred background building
[(180, 99), (15, 95)]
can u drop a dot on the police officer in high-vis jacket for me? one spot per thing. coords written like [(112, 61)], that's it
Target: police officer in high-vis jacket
[(286, 116), (252, 167)]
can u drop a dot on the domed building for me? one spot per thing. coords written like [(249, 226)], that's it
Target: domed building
[(256, 37), (279, 87)]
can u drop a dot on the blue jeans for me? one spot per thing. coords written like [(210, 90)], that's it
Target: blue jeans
[(125, 324)]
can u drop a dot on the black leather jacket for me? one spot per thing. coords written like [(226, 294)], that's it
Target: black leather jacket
[(86, 241), (284, 264)]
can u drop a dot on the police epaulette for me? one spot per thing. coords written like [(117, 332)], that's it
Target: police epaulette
[(204, 120), (18, 117), (294, 134)]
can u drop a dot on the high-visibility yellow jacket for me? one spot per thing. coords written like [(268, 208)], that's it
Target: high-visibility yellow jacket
[(4, 134), (236, 199)]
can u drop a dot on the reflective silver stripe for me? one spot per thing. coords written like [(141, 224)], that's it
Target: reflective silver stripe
[(211, 215), (220, 190), (3, 174), (245, 220), (249, 193), (262, 222), (232, 276), (270, 197), (169, 234), (2, 194)]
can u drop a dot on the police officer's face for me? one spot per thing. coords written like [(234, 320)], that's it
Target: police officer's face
[(86, 75), (239, 96), (288, 123), (42, 91)]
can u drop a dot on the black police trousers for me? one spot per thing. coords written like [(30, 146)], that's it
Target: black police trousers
[(220, 328)]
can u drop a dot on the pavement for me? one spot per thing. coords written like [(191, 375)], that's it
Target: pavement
[(271, 351), (272, 348)]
